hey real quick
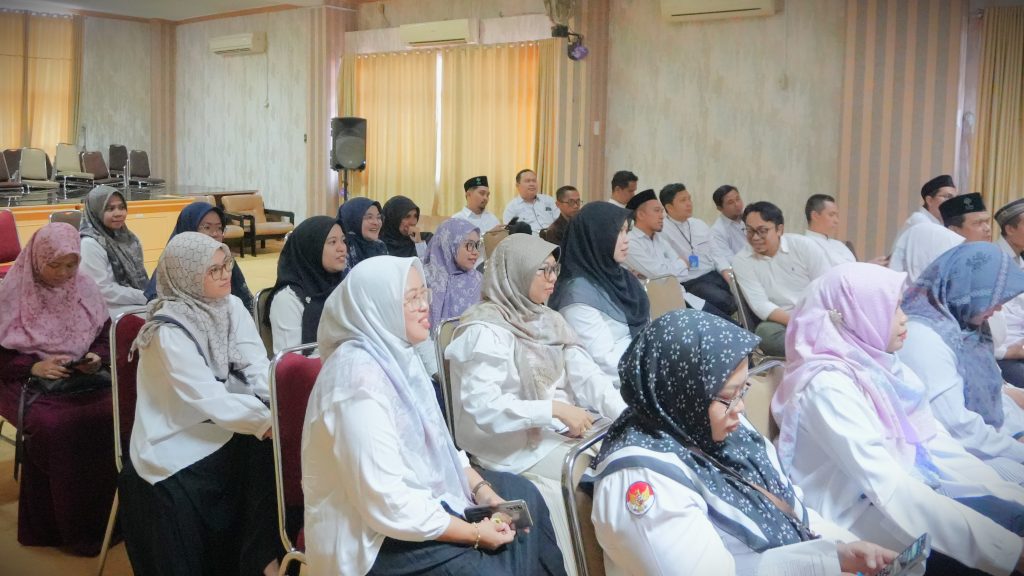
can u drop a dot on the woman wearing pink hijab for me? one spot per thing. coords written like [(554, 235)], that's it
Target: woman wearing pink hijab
[(858, 435), (52, 314)]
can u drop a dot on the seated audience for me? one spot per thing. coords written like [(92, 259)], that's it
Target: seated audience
[(967, 216), (933, 194), (624, 185), (384, 486), (1008, 325), (197, 493), (399, 231), (361, 220), (856, 426), (524, 389), (450, 268), (477, 197), (685, 484), (690, 238), (52, 314), (949, 347), (919, 246), (727, 231), (603, 303), (206, 219), (111, 253), (312, 264), (530, 207), (568, 200), (823, 225), (774, 271)]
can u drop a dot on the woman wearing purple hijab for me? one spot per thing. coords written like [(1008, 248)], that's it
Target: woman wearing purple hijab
[(451, 272)]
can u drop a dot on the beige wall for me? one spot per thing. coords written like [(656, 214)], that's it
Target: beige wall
[(754, 102)]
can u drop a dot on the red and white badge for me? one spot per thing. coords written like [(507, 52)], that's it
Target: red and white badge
[(639, 498)]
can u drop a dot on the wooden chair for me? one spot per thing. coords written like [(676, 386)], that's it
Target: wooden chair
[(258, 221), (665, 294)]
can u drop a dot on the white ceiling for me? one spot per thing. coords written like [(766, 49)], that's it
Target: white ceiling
[(165, 9)]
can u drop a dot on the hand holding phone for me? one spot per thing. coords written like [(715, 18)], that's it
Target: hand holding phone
[(76, 363), (514, 512), (913, 555)]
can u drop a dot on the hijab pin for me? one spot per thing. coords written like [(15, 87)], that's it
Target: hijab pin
[(836, 316)]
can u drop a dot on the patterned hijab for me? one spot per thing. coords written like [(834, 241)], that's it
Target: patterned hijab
[(124, 251), (963, 282), (36, 318), (394, 211), (541, 333), (182, 269), (843, 324), (350, 216), (590, 274), (454, 289), (670, 373)]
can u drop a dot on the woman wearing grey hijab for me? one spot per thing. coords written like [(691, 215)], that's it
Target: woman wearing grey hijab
[(111, 253)]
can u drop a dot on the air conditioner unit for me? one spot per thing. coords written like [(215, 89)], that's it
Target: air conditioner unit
[(697, 10), (247, 43), (464, 31)]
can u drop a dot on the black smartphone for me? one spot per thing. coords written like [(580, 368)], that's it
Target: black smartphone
[(516, 510), (909, 558), (74, 363)]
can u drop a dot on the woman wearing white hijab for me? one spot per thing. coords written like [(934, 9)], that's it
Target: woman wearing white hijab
[(197, 491), (384, 485)]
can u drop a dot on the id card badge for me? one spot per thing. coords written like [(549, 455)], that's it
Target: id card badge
[(694, 261)]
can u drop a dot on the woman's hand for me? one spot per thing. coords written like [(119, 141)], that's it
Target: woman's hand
[(577, 419), (91, 365), (52, 368), (864, 557), (495, 534)]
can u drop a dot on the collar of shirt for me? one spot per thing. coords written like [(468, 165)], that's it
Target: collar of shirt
[(818, 235), (783, 249)]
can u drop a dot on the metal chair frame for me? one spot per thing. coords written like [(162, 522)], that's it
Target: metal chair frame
[(572, 509), (445, 334)]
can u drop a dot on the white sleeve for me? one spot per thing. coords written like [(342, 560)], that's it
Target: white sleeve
[(815, 257), (95, 265), (250, 346), (481, 362), (195, 385), (643, 257), (720, 249), (421, 250), (595, 336), (997, 324), (753, 291), (509, 213), (286, 319), (590, 386)]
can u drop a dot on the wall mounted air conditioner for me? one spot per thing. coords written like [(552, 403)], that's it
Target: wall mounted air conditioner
[(697, 10), (464, 31), (247, 43)]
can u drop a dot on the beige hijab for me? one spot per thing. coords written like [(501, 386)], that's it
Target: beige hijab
[(541, 333)]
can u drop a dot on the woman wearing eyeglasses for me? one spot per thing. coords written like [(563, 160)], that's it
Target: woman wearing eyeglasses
[(197, 492), (684, 480), (602, 301), (362, 220), (524, 388), (450, 267)]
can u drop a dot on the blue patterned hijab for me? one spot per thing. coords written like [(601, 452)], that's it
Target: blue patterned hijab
[(962, 283), (670, 373)]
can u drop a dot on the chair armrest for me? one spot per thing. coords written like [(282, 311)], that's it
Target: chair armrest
[(280, 214), (242, 219)]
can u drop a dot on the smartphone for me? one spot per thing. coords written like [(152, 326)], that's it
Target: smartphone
[(517, 511), (74, 363), (909, 558)]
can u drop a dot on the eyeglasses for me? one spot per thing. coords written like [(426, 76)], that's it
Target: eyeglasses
[(761, 232), (573, 203), (732, 403), (419, 299), (211, 229), (550, 272), (943, 196), (473, 246), (223, 270)]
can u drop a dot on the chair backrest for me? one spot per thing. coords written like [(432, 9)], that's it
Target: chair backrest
[(208, 199), (578, 505), (118, 155), (491, 240), (12, 156), (138, 164), (5, 174), (92, 162), (248, 204), (445, 333), (261, 314), (665, 294), (123, 374), (766, 378), (67, 158), (73, 217), (34, 164), (10, 244), (742, 309), (292, 376)]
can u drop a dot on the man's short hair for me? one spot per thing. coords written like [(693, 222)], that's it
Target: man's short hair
[(769, 212), (720, 193), (816, 203), (622, 178), (957, 221), (669, 192), (519, 175), (561, 192)]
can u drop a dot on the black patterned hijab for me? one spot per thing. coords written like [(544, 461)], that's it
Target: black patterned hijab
[(124, 251), (669, 374)]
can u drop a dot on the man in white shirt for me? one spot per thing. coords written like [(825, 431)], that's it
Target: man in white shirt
[(624, 184), (933, 194), (690, 239), (822, 225), (967, 216), (727, 232), (774, 271), (537, 210), (477, 196), (1008, 324)]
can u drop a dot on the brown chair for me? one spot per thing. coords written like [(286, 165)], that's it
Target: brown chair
[(118, 156), (492, 238), (10, 188), (72, 217), (232, 232), (96, 168), (36, 170), (138, 170), (766, 377), (445, 334), (259, 222), (665, 294)]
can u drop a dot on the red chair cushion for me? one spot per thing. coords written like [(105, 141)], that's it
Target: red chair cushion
[(127, 329), (10, 247), (296, 375)]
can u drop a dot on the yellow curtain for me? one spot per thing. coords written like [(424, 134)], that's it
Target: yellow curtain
[(997, 166), (12, 72), (552, 68)]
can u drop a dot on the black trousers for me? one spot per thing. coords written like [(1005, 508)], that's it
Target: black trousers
[(215, 517), (713, 288)]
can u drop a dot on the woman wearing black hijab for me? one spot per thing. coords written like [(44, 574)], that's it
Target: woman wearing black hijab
[(362, 219), (311, 265), (399, 232), (601, 300)]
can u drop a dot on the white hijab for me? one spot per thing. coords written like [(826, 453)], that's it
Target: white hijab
[(367, 312)]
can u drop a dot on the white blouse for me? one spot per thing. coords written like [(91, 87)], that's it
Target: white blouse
[(183, 413), (358, 489), (96, 265), (286, 319), (847, 474), (604, 338), (493, 421)]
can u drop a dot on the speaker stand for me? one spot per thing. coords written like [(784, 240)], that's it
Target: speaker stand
[(344, 184)]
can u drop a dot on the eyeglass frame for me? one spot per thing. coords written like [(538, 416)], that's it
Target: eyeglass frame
[(224, 269), (548, 271), (473, 246), (758, 232), (574, 203), (730, 403), (423, 296)]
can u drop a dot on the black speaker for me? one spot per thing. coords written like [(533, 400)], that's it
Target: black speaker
[(348, 138)]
